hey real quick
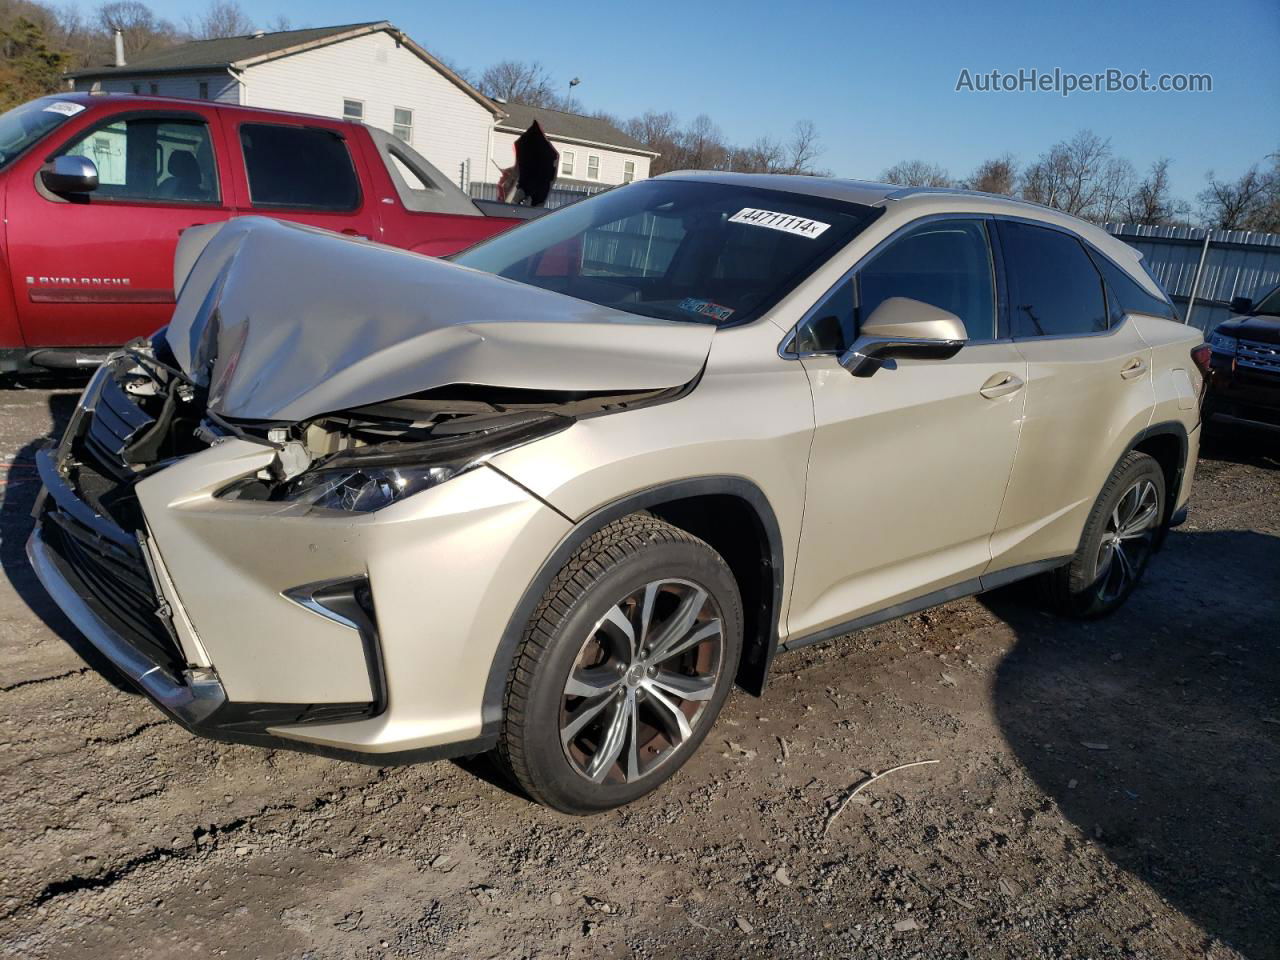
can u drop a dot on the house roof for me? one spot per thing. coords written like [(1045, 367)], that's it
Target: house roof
[(570, 127), (238, 53)]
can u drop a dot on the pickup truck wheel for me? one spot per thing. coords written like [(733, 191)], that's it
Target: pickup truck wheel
[(1119, 539), (623, 667)]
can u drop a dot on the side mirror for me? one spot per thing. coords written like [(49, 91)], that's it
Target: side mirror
[(1243, 306), (901, 328), (68, 174)]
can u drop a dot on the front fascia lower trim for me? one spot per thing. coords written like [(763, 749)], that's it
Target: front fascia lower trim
[(493, 706)]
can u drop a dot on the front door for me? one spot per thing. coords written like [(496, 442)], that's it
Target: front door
[(108, 276), (909, 466)]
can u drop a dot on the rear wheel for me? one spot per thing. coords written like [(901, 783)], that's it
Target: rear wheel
[(1118, 541), (623, 668)]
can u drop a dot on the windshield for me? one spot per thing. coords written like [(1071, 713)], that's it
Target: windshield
[(1269, 304), (22, 126), (676, 249)]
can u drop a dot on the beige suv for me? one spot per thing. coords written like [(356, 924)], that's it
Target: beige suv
[(556, 497)]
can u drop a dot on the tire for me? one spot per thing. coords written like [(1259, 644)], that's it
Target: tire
[(577, 697), (1119, 539)]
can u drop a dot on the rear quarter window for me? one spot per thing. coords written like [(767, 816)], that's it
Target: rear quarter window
[(1126, 295), (299, 168)]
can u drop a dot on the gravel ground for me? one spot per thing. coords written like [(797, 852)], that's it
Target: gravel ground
[(1101, 790)]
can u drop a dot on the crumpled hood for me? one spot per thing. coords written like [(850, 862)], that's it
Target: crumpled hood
[(284, 322)]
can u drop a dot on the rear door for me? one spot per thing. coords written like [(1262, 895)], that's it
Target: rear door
[(1089, 392), (97, 268), (303, 171)]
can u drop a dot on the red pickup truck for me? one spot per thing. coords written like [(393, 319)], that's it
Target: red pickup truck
[(95, 190)]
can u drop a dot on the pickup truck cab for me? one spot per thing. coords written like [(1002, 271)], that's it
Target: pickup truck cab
[(96, 189)]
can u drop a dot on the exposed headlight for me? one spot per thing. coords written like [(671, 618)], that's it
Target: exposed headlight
[(362, 489), (1222, 343), (372, 477)]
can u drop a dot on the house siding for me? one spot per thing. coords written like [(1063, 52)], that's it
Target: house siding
[(223, 88), (449, 127), (611, 161)]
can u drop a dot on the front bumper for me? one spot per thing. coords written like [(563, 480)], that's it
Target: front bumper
[(224, 613), (1243, 394)]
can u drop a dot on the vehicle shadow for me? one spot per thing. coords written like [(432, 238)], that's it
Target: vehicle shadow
[(1157, 731), (21, 486), (1254, 448)]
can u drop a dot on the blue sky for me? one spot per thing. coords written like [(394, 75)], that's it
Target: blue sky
[(879, 79)]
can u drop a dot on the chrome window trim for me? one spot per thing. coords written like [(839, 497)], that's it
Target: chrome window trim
[(784, 347)]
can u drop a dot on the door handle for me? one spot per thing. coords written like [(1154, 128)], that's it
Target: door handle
[(1133, 369), (1001, 385)]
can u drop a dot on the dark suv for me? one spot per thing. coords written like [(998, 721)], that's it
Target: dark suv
[(1244, 384)]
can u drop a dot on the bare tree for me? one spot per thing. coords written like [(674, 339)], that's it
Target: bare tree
[(999, 175), (701, 145), (765, 155), (519, 82), (143, 31), (1151, 202), (917, 173), (1078, 176), (278, 24), (1236, 204), (222, 18), (659, 133), (802, 149)]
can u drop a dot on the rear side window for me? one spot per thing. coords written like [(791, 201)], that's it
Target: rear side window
[(1053, 287), (298, 168), (153, 159), (1124, 295)]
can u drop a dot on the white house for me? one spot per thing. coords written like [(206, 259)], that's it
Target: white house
[(593, 152), (366, 71)]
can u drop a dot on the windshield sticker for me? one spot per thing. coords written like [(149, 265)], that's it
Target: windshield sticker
[(706, 308), (800, 226), (64, 108)]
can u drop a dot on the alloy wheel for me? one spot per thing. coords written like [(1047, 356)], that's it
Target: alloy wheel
[(641, 681), (1127, 540)]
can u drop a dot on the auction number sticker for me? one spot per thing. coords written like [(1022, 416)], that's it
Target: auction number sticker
[(786, 222), (706, 308), (64, 108)]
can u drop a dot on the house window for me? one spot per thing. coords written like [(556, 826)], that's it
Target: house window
[(628, 171), (402, 126), (566, 163), (593, 167), (155, 89), (353, 110), (204, 89)]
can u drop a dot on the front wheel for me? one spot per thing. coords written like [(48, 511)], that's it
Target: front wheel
[(623, 668), (1119, 539)]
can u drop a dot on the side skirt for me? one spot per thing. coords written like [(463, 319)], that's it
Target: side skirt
[(967, 588)]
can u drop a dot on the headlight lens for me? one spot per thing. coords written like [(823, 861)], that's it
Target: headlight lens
[(1221, 343), (364, 489)]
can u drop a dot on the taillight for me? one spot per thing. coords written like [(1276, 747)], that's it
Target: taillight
[(1200, 357)]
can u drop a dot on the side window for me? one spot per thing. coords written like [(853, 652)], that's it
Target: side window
[(1124, 295), (147, 158), (831, 324), (946, 263), (1054, 290), (298, 168)]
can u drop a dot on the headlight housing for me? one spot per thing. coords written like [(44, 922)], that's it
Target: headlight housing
[(1222, 343), (375, 476)]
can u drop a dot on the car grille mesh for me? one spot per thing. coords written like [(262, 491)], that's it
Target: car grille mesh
[(1259, 355), (117, 584), (116, 422)]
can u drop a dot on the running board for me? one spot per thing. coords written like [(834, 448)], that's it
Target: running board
[(967, 588)]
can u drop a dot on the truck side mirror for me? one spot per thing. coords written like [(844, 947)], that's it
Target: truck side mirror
[(70, 174), (1241, 306)]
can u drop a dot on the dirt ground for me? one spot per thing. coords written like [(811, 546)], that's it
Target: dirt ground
[(1101, 790)]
